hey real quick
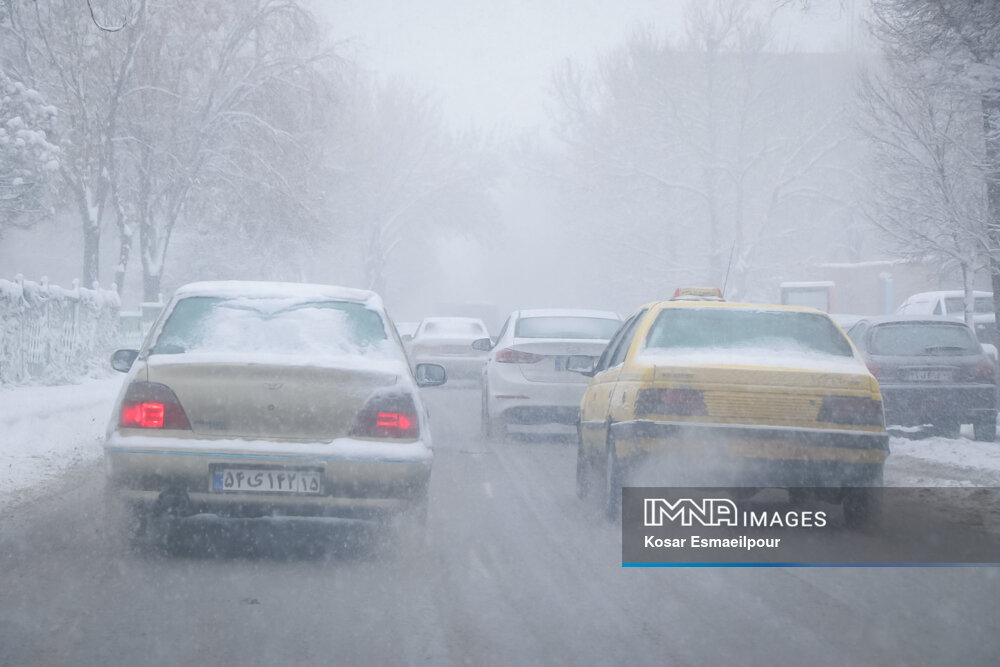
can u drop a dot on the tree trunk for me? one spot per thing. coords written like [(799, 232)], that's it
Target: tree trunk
[(150, 287), (91, 253), (991, 130)]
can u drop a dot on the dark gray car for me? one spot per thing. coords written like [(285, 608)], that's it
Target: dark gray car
[(930, 370)]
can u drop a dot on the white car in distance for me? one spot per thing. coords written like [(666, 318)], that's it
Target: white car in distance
[(447, 341), (525, 381)]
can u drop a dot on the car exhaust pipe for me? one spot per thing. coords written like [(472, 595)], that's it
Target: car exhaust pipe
[(173, 503)]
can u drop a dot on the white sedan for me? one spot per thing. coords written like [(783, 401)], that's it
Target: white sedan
[(447, 341), (525, 380)]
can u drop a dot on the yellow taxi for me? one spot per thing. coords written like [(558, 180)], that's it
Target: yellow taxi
[(714, 393)]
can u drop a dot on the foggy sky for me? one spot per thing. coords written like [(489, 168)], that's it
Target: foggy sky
[(489, 63)]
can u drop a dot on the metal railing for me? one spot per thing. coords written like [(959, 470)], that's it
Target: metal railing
[(53, 334)]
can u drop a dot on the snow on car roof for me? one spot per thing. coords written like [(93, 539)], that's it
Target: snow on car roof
[(912, 317), (253, 288), (943, 294), (455, 320), (568, 312), (731, 305)]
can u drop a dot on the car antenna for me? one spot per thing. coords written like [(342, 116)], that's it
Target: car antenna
[(730, 266)]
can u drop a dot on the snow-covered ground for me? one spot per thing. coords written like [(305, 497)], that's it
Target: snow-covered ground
[(44, 431)]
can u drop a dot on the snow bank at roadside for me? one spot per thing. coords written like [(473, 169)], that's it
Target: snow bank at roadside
[(45, 430), (937, 461)]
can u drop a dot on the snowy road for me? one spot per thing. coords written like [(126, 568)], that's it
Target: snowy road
[(517, 572)]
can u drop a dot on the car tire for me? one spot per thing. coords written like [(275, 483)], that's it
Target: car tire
[(862, 506), (614, 480), (985, 429)]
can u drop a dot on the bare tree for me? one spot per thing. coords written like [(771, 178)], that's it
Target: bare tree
[(400, 175), (928, 195), (958, 43), (722, 146), (81, 70), (197, 112)]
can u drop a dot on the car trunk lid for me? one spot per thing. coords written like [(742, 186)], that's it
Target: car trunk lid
[(555, 352), (270, 400)]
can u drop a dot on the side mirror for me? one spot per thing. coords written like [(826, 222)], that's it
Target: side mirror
[(582, 364), (991, 350), (122, 360), (482, 344), (406, 338), (429, 375)]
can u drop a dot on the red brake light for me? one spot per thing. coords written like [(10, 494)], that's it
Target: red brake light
[(511, 356), (852, 410), (394, 421), (682, 402), (984, 371), (143, 415), (873, 369), (388, 416), (152, 405)]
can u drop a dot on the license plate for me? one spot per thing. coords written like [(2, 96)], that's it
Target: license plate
[(929, 375), (227, 479)]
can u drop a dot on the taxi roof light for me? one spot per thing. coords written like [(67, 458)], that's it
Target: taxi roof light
[(697, 294)]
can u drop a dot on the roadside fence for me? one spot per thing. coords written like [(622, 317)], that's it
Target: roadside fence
[(51, 334)]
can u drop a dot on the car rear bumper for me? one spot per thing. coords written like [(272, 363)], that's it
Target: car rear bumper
[(912, 405), (456, 367), (388, 478), (517, 400), (757, 455)]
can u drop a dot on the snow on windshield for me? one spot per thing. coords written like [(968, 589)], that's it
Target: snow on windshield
[(566, 327), (271, 325), (453, 328), (923, 338), (748, 336)]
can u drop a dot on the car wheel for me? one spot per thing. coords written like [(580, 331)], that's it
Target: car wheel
[(985, 428), (862, 506), (614, 480)]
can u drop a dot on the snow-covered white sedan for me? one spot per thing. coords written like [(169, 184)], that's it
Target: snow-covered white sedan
[(448, 341), (259, 399), (525, 380)]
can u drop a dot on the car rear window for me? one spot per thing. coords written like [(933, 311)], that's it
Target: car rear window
[(284, 326), (727, 328), (454, 328), (956, 305), (922, 338), (550, 326)]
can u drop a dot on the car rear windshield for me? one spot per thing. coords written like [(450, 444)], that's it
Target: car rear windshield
[(727, 328), (922, 338), (550, 326), (454, 328), (956, 305), (283, 326)]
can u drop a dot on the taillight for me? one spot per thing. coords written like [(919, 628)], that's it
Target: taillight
[(511, 356), (874, 369), (152, 405), (852, 410), (984, 371), (682, 402), (388, 416)]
